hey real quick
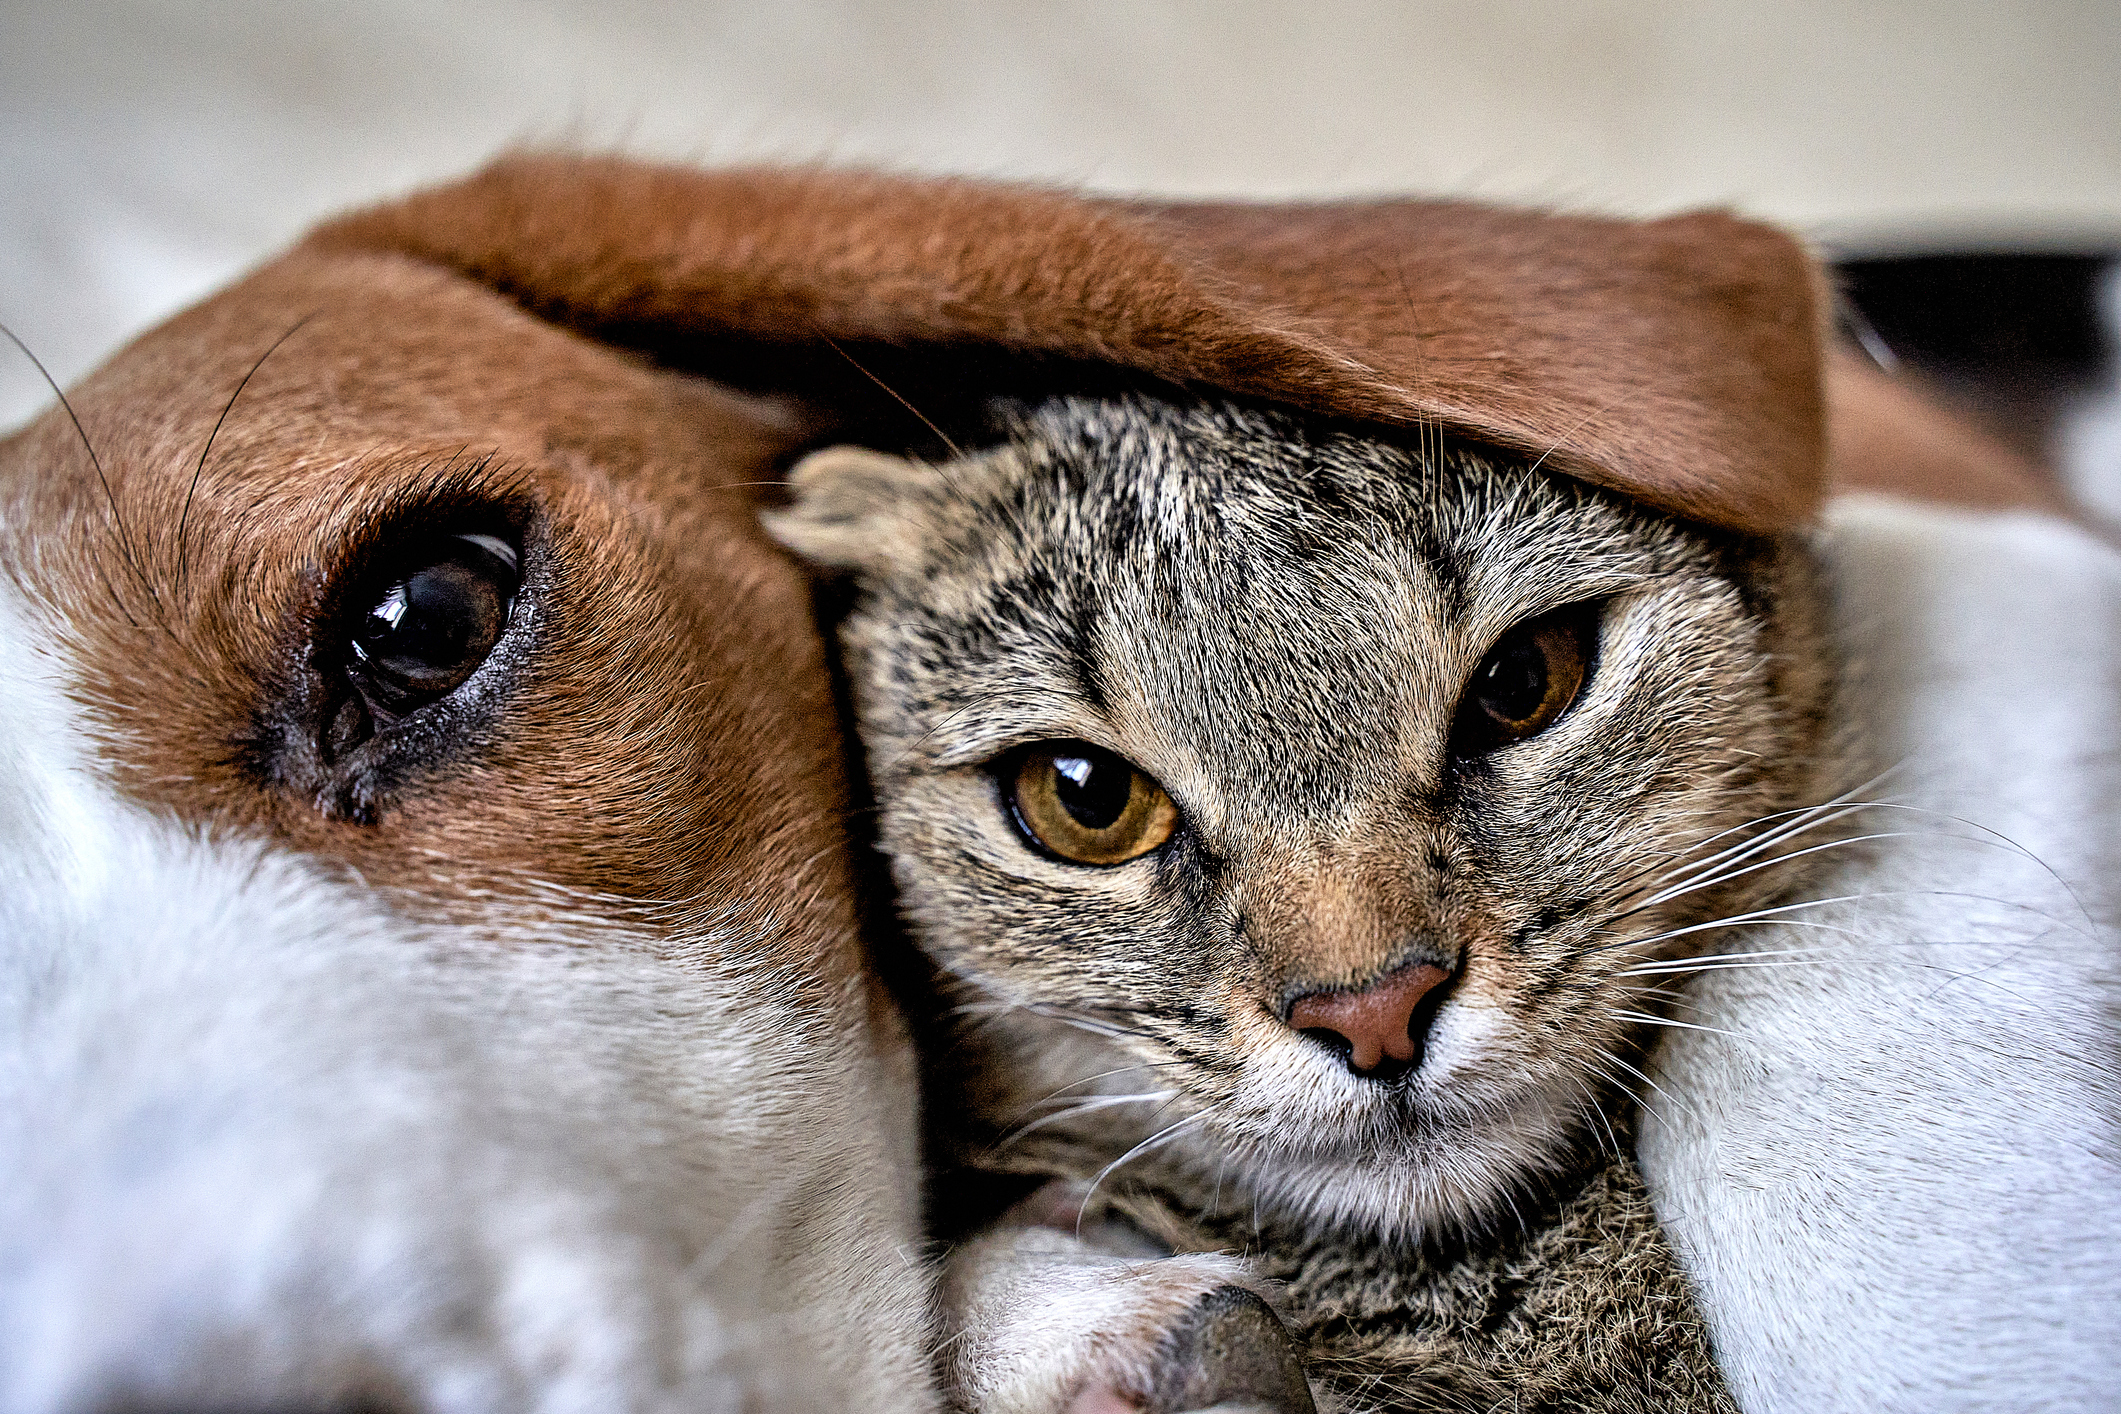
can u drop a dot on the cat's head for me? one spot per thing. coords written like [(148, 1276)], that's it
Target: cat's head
[(1333, 794)]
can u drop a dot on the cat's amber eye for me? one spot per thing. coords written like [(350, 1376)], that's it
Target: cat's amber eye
[(1086, 805), (1526, 681)]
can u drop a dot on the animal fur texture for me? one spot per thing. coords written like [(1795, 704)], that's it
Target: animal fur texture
[(1278, 622), (1674, 361)]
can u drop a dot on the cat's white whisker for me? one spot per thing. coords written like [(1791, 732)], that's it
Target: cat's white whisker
[(1082, 1023), (1103, 1075), (1640, 1101), (1793, 823), (1645, 1079), (1670, 996), (1155, 1141), (1804, 823), (1796, 820), (1777, 917), (1592, 1109), (2006, 842), (1083, 1107), (1693, 886), (1759, 915), (1679, 966), (1651, 1019)]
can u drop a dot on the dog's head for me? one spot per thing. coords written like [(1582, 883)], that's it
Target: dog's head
[(428, 968)]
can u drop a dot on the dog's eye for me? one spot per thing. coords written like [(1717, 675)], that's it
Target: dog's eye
[(1085, 805), (1526, 681), (431, 620)]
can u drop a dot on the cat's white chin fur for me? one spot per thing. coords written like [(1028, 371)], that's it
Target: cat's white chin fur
[(1894, 1169), (1441, 1176), (1321, 1146)]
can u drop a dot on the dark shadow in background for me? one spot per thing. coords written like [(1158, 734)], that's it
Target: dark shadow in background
[(2009, 338)]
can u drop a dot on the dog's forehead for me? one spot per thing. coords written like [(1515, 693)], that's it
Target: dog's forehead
[(677, 708)]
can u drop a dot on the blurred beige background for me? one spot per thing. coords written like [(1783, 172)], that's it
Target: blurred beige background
[(153, 148)]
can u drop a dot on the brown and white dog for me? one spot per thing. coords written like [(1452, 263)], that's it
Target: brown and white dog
[(369, 1044), (429, 969)]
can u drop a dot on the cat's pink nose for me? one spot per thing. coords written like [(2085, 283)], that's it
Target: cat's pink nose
[(1377, 1023)]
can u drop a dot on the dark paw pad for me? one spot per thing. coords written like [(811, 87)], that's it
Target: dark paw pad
[(1229, 1351)]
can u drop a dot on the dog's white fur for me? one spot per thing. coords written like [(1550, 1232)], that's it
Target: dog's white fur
[(268, 1142), (1895, 1166)]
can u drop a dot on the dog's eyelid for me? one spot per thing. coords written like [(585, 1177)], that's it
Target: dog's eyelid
[(500, 549), (485, 500)]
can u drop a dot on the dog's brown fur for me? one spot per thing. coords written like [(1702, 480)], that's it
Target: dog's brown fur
[(1672, 360), (1676, 361), (401, 378), (665, 757)]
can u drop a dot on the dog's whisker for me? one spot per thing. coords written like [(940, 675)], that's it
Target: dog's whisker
[(184, 516), (894, 393), (125, 544)]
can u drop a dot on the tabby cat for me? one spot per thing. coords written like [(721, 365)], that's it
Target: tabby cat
[(1309, 831)]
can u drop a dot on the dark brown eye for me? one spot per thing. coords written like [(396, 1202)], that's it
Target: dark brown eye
[(1526, 682), (1088, 806), (432, 621)]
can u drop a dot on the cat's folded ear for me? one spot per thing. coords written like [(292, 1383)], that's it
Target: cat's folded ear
[(855, 509), (1675, 361)]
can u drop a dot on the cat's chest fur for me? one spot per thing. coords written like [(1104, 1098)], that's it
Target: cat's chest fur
[(1575, 1302)]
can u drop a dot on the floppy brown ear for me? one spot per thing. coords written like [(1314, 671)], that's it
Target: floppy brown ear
[(1675, 361)]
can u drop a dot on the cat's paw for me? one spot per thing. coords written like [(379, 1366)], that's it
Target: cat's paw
[(1046, 1323), (1230, 1353)]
